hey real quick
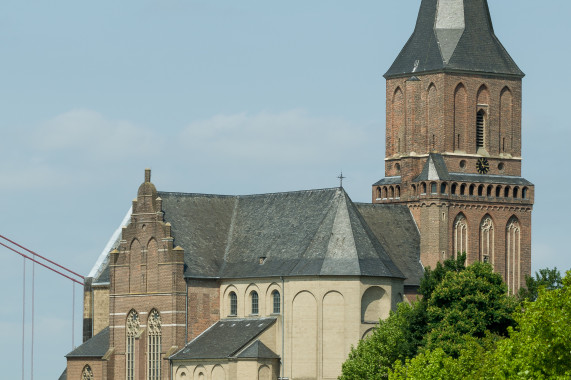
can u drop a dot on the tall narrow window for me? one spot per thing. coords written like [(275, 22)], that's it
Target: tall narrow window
[(254, 297), (460, 235), (233, 304), (512, 275), (87, 374), (154, 346), (487, 240), (133, 326), (480, 120), (277, 301)]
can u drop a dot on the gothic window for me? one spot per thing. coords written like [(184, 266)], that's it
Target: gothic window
[(233, 304), (480, 125), (513, 254), (254, 298), (154, 346), (460, 235), (487, 240), (276, 301), (87, 374), (132, 329)]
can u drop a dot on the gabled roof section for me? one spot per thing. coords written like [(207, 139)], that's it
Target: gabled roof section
[(96, 347), (454, 36), (302, 233), (388, 181), (225, 339), (257, 350), (396, 230), (434, 169)]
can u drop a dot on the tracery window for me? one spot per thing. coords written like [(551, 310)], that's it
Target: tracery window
[(87, 374), (154, 346), (460, 235), (233, 304), (255, 306), (276, 301), (487, 240), (513, 254), (132, 329)]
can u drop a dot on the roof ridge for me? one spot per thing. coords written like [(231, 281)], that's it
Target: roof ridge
[(246, 195)]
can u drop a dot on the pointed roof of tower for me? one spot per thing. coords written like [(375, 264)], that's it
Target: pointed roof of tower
[(454, 36)]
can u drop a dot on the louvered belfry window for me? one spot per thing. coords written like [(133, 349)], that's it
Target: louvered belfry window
[(154, 346), (480, 120), (133, 327)]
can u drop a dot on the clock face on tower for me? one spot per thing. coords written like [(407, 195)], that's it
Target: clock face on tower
[(483, 165)]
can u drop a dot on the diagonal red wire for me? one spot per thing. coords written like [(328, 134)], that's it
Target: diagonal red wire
[(42, 264), (40, 256)]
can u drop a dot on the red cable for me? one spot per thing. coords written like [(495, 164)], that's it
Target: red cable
[(48, 260), (42, 264)]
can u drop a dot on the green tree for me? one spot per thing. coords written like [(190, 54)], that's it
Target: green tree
[(540, 346), (548, 278), (472, 302)]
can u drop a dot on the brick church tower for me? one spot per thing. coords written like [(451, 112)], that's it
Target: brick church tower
[(453, 140)]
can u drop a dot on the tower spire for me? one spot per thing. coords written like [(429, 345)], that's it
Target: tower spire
[(454, 35)]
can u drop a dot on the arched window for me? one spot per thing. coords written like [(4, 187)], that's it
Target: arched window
[(454, 188), (489, 191), (507, 192), (480, 126), (498, 191), (472, 187), (423, 188), (397, 192), (480, 190), (516, 192), (379, 193), (433, 188), (444, 188), (233, 304), (524, 193), (463, 189), (154, 346), (487, 240), (413, 188), (392, 192), (87, 374), (132, 330), (254, 298), (460, 235), (513, 254), (276, 302)]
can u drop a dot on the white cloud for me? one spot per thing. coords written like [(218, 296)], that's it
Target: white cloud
[(88, 132), (290, 137)]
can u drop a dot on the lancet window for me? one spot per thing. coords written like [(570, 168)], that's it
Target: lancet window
[(87, 374), (154, 346), (487, 240), (132, 330), (513, 237), (460, 235), (276, 302)]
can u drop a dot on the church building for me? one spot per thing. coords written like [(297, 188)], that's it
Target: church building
[(280, 286)]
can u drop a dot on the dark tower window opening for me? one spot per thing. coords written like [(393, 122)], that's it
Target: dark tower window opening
[(480, 121), (433, 188), (458, 144)]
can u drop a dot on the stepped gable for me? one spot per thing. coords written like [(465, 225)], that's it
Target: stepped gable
[(454, 35), (303, 233)]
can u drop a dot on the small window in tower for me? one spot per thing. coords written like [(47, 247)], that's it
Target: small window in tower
[(480, 121), (433, 188)]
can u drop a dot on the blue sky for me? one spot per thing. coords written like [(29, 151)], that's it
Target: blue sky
[(220, 97)]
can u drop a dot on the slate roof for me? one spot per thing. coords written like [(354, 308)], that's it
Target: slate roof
[(63, 376), (453, 35), (435, 170), (388, 181), (303, 233), (96, 347), (257, 350), (396, 230), (226, 338)]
